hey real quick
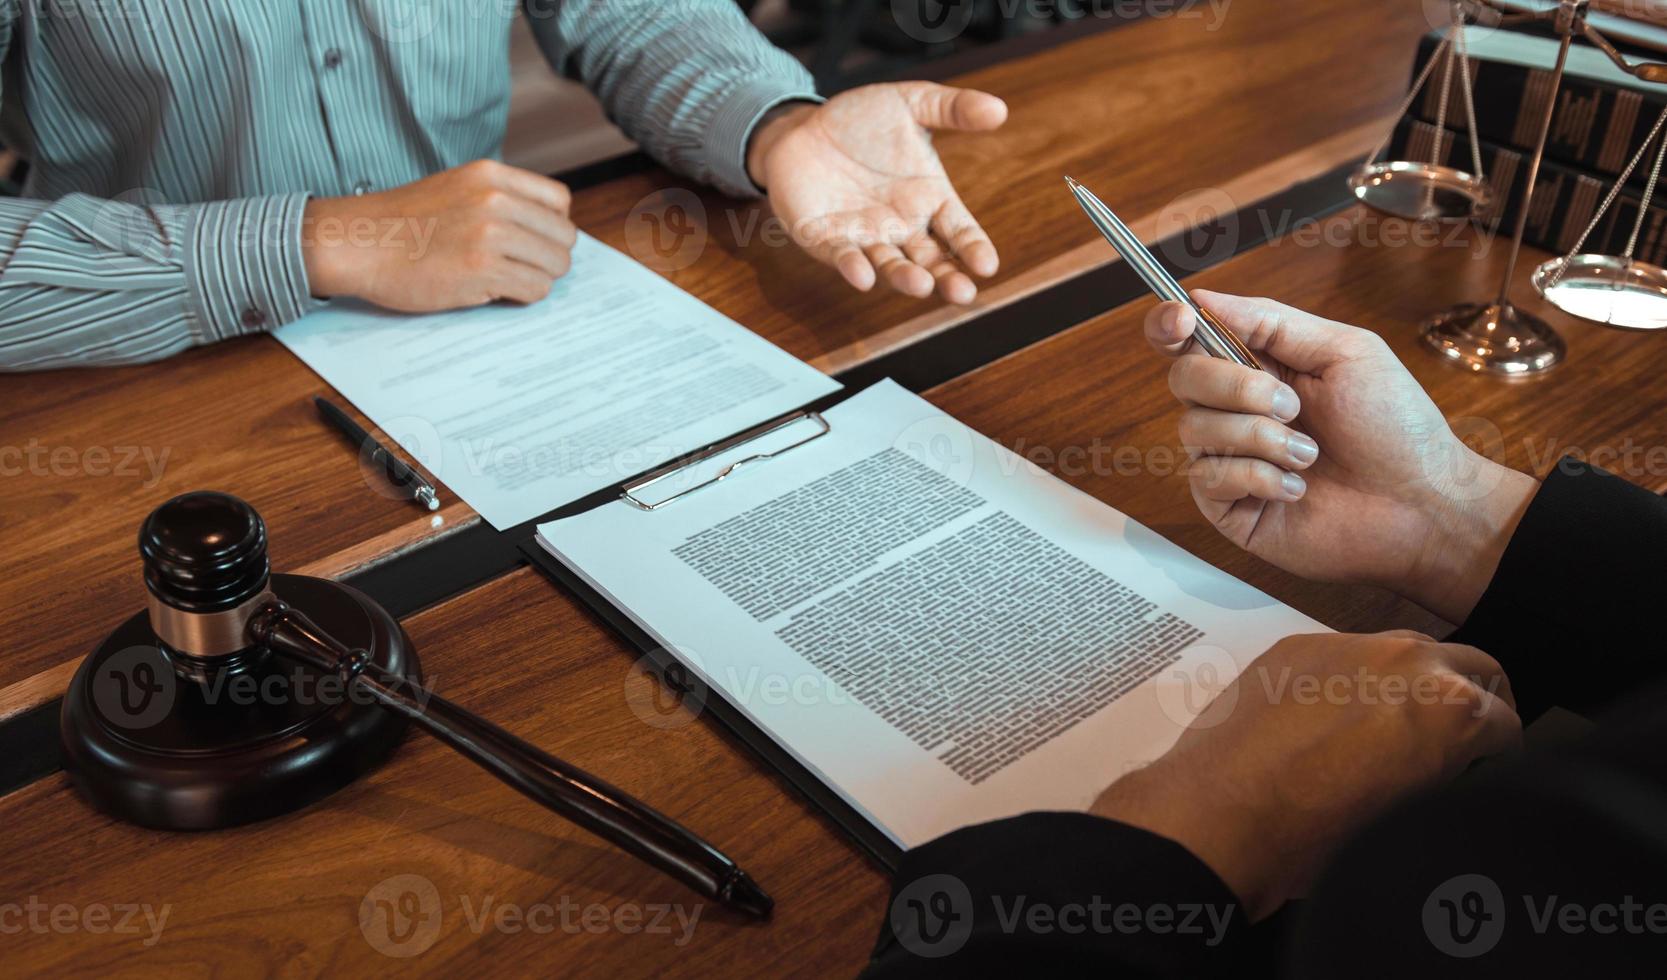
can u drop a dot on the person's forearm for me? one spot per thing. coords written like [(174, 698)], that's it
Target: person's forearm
[(87, 281), (1219, 831), (1571, 608), (771, 128), (1467, 538), (687, 79)]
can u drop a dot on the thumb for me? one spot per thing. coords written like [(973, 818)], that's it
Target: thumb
[(1300, 341), (942, 107)]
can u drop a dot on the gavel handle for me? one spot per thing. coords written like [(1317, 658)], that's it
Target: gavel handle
[(593, 804)]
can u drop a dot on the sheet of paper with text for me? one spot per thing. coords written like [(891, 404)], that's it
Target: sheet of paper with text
[(522, 409), (941, 631)]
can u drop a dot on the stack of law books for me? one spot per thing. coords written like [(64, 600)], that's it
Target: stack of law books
[(1603, 116)]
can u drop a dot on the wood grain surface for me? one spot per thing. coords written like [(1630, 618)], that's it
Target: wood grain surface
[(1159, 113), (1090, 406), (284, 898), (1170, 120)]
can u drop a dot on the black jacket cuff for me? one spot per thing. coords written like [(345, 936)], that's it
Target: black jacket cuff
[(1569, 609), (1044, 893)]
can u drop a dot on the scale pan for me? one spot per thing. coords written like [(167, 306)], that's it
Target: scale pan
[(1421, 191), (1606, 289)]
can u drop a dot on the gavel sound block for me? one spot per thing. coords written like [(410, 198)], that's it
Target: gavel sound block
[(239, 694), (177, 721)]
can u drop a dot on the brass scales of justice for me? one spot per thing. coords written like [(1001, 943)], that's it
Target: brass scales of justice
[(1497, 336)]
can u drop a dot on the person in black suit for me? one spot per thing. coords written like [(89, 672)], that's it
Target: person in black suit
[(1379, 778)]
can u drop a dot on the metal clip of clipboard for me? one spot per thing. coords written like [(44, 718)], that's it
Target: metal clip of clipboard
[(628, 491)]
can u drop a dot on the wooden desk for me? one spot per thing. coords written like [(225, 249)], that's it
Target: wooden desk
[(284, 897), (1146, 113), (1173, 121)]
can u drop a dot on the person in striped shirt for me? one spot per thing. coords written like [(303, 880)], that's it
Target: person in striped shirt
[(203, 169)]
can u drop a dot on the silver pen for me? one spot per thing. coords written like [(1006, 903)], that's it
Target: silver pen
[(1211, 334)]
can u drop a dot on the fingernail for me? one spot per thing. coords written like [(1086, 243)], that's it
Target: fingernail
[(1285, 404), (1302, 448), (1293, 485)]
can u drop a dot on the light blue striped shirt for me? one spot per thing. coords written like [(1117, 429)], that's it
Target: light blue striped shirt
[(174, 143)]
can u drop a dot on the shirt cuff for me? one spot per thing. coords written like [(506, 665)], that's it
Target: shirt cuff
[(730, 130), (244, 267)]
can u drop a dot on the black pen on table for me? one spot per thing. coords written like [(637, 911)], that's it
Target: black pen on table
[(400, 474)]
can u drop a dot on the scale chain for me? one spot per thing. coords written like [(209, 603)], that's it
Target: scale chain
[(1412, 96), (1649, 196), (1446, 95), (1463, 49), (1614, 192)]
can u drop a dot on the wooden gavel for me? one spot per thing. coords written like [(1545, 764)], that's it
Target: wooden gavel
[(240, 694)]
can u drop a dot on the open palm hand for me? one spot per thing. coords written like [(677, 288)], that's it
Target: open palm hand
[(861, 188)]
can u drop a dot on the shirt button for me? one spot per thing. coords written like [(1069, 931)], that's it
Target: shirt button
[(254, 319), (362, 188), (333, 58)]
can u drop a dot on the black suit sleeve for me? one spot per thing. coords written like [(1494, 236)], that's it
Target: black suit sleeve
[(1545, 865), (1575, 605), (1052, 894), (1551, 863), (1569, 613)]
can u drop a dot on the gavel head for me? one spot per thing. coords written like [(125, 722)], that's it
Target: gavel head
[(206, 573), (180, 719)]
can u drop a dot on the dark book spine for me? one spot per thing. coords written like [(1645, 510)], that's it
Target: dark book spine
[(1597, 127), (1565, 202)]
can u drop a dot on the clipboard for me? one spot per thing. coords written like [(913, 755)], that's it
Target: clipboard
[(665, 667)]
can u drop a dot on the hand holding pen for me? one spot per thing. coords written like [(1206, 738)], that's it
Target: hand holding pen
[(1334, 464), (1373, 487)]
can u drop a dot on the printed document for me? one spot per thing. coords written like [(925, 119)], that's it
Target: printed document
[(942, 632), (522, 409)]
